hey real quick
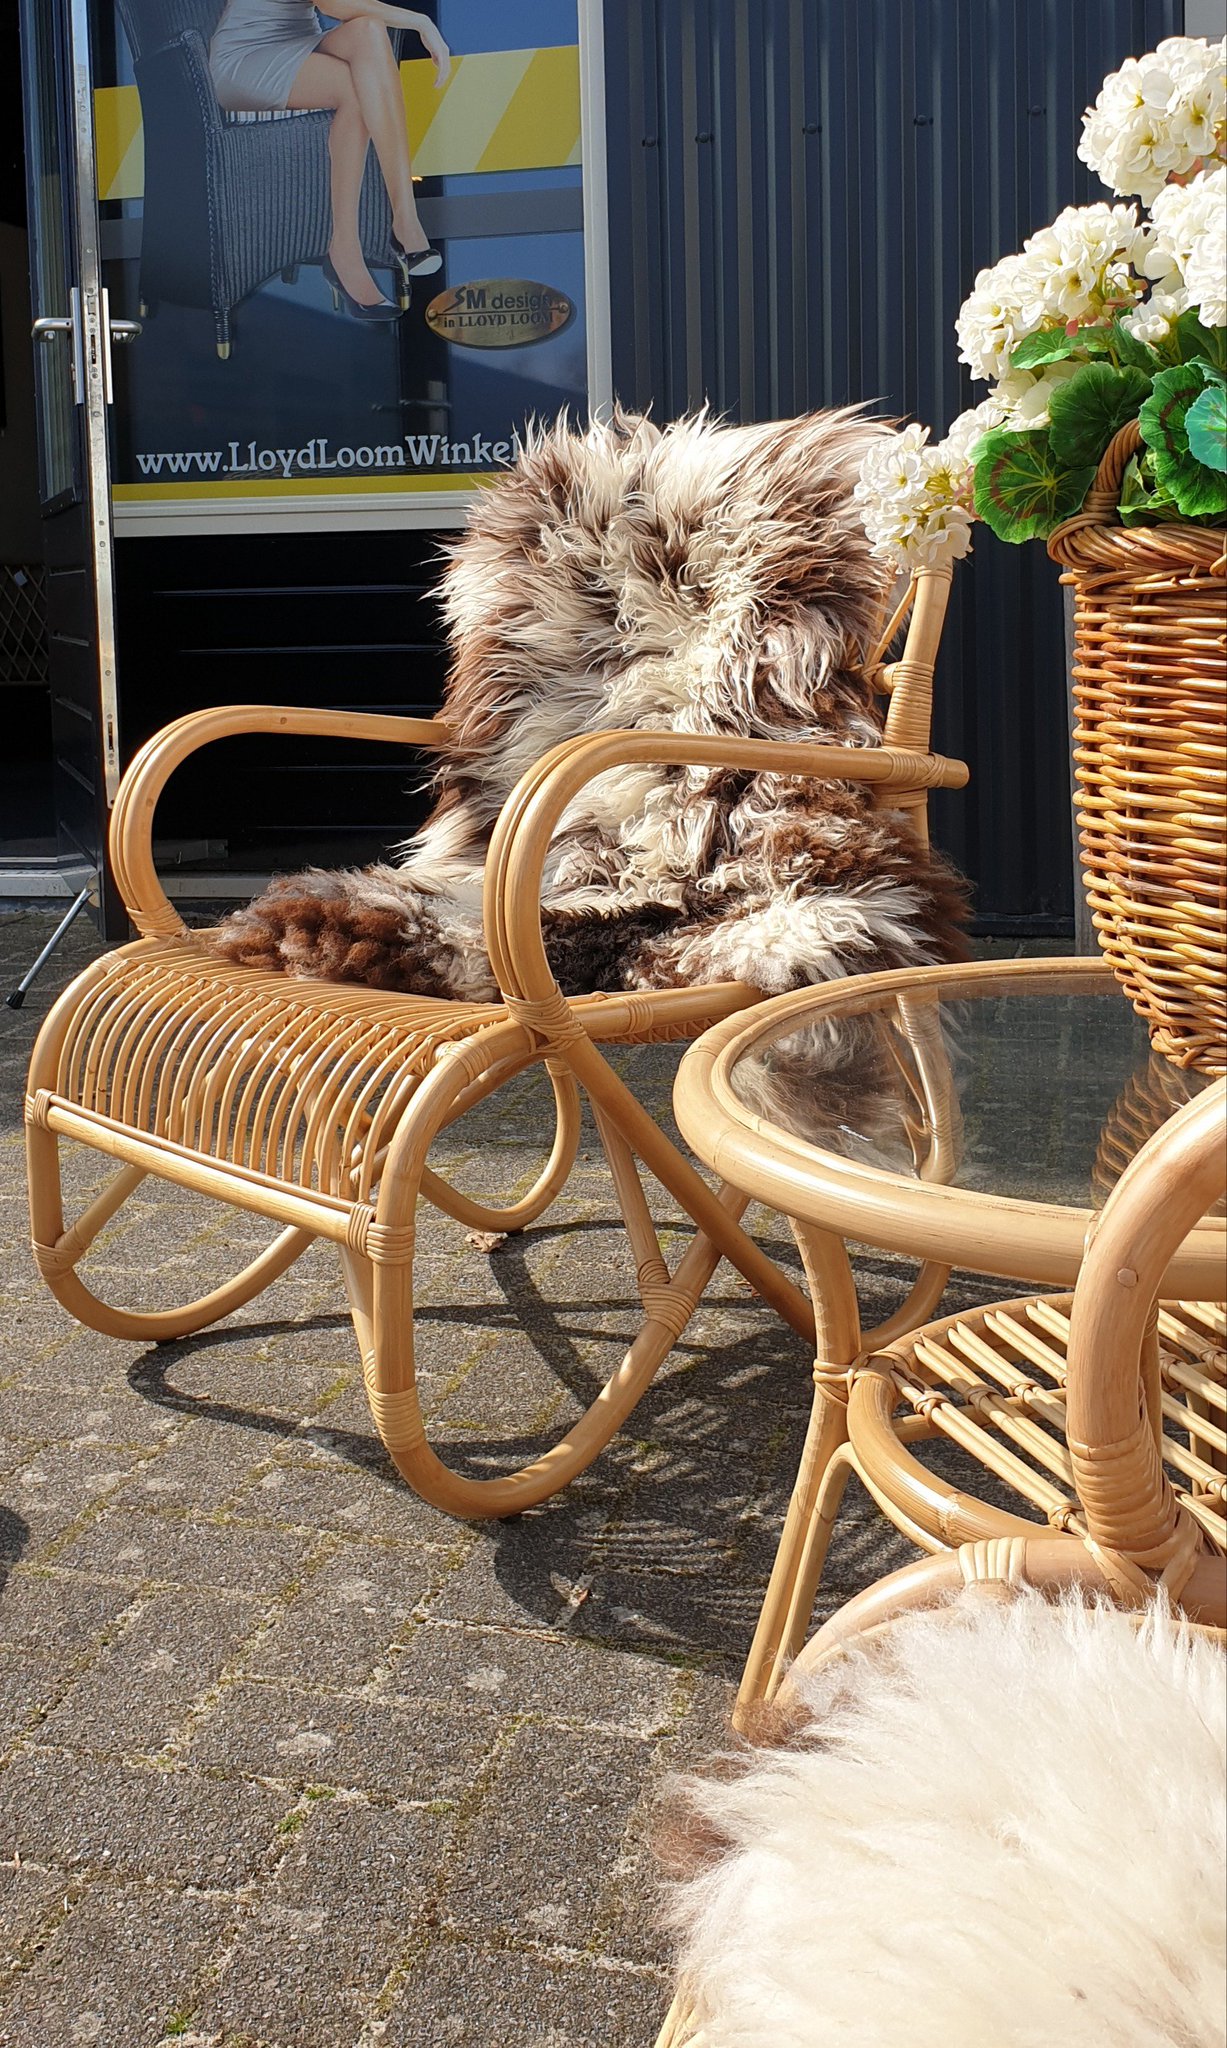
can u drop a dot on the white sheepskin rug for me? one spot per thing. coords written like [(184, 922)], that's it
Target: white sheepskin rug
[(1002, 1828)]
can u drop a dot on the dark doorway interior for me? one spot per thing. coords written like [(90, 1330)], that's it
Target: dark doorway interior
[(27, 816)]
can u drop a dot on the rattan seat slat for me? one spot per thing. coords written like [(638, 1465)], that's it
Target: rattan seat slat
[(1191, 1381), (976, 1418)]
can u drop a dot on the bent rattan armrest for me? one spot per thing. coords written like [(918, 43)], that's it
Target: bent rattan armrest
[(526, 824), (131, 837)]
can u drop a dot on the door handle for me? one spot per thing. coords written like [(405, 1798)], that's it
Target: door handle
[(49, 325), (52, 324)]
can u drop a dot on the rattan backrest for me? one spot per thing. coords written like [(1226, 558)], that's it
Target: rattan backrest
[(909, 680)]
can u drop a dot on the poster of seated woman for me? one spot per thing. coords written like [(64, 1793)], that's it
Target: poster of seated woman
[(267, 55)]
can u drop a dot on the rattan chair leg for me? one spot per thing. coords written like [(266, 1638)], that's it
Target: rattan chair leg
[(812, 1508), (58, 1251), (544, 1192), (382, 1304), (682, 2028), (379, 1279)]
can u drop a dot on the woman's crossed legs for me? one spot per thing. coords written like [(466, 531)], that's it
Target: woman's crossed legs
[(355, 74)]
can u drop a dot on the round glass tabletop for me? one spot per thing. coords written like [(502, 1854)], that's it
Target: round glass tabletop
[(1038, 1089), (973, 1116)]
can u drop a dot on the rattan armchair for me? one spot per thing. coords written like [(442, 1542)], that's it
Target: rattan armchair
[(1112, 1425), (315, 1105)]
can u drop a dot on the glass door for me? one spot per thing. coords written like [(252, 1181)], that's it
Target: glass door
[(73, 336)]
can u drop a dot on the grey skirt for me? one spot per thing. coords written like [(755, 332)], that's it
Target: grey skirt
[(257, 51)]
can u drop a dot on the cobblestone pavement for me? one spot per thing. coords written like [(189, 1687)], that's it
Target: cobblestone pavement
[(291, 1760)]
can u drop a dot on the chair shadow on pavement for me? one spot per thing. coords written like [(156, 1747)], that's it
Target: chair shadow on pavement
[(663, 1545), (14, 1535)]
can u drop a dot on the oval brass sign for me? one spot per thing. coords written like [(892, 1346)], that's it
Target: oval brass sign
[(499, 312)]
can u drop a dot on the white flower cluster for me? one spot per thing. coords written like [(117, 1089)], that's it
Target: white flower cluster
[(915, 501), (1188, 251), (1082, 271), (1158, 117)]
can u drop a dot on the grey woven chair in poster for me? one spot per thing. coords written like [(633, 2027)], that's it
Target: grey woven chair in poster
[(231, 200)]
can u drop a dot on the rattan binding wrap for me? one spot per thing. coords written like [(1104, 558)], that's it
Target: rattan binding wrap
[(1150, 752)]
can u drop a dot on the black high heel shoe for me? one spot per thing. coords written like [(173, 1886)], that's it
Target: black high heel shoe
[(421, 263), (383, 309)]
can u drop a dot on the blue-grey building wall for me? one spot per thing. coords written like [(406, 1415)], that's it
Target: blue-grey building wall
[(801, 193)]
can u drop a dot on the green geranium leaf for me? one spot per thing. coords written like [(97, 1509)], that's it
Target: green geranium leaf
[(1205, 423), (1094, 405), (1199, 491), (1198, 343), (1143, 502), (1133, 354), (1022, 491), (1054, 345)]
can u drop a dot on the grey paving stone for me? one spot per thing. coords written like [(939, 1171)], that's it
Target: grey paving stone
[(200, 1468), (56, 1610), (515, 1579), (316, 1944), (82, 1416), (134, 1820), (469, 1997), (229, 1375), (138, 1691), (306, 1738), (30, 1683), (515, 1673), (143, 1546), (692, 1615), (46, 1346), (58, 1485), (118, 1972), (370, 1502), (532, 1862), (341, 1625), (29, 1897)]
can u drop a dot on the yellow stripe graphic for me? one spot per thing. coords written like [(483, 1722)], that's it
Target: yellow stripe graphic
[(211, 488), (501, 110), (119, 142), (539, 123)]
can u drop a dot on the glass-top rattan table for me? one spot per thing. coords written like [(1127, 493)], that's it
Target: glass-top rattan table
[(977, 1116)]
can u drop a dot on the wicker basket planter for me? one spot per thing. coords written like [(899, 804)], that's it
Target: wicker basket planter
[(1150, 753)]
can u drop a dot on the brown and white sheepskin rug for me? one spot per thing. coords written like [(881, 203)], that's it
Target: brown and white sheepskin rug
[(1002, 1828), (700, 579)]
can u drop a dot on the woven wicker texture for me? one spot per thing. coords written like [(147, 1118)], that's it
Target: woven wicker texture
[(1150, 752)]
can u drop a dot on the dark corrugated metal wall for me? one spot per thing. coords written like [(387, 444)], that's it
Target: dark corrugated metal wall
[(801, 193)]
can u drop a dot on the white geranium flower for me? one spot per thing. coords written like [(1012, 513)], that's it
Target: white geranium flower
[(990, 323), (915, 501), (1189, 242), (958, 450), (1158, 116), (1152, 322), (1025, 395), (1080, 272), (1083, 267), (1206, 279)]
